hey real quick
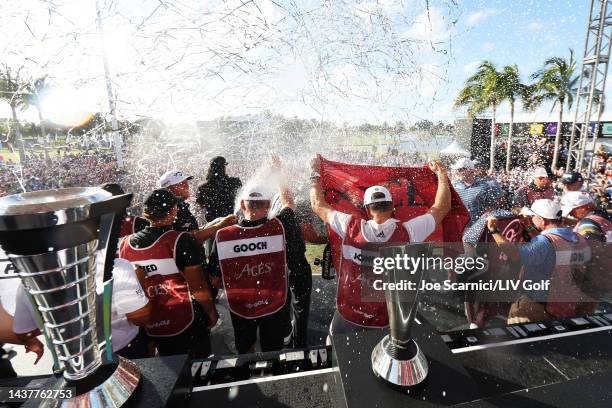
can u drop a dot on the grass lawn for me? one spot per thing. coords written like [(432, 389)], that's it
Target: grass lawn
[(7, 154), (312, 252)]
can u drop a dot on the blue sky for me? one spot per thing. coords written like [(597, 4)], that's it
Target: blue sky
[(518, 32), (346, 61)]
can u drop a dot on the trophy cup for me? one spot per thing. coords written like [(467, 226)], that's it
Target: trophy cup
[(59, 241), (397, 358)]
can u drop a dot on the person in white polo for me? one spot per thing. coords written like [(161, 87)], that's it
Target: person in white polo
[(129, 310), (358, 233)]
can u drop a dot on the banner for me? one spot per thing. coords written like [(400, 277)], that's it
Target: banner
[(413, 190), (536, 129)]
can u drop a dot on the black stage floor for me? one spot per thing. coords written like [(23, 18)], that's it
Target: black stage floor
[(544, 373)]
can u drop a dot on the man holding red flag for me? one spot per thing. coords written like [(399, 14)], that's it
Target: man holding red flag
[(357, 233)]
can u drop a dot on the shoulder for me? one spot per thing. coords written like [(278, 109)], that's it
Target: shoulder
[(286, 215), (235, 181)]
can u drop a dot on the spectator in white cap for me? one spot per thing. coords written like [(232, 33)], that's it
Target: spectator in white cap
[(538, 188), (257, 261), (177, 183), (558, 255), (592, 223), (478, 196), (353, 312)]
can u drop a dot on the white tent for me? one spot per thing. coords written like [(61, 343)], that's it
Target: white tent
[(455, 149)]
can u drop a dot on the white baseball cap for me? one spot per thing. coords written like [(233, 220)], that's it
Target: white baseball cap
[(545, 208), (368, 199), (463, 163), (256, 192), (539, 172), (172, 177), (574, 199)]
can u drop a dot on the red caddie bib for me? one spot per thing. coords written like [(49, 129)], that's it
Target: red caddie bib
[(566, 278), (254, 268), (356, 251), (128, 226), (165, 284)]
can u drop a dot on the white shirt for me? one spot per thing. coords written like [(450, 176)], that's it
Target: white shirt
[(419, 228), (128, 297)]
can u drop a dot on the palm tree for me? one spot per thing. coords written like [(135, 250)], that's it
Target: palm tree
[(482, 91), (511, 89), (556, 82), (12, 91), (35, 90)]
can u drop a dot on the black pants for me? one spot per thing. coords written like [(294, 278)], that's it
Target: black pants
[(195, 340), (301, 310), (6, 369), (137, 348), (272, 330)]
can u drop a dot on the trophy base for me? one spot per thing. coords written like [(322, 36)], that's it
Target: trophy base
[(111, 393), (405, 367)]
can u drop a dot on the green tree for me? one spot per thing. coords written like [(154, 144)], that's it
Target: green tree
[(556, 81), (35, 91), (480, 92), (511, 89)]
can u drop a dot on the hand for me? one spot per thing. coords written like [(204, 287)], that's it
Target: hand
[(275, 161), (228, 220), (213, 317), (492, 223), (315, 164), (437, 168), (35, 346)]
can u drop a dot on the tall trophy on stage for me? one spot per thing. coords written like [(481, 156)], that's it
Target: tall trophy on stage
[(61, 242), (397, 358)]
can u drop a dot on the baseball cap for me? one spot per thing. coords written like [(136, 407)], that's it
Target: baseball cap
[(574, 199), (463, 163), (368, 199), (572, 177), (545, 208), (539, 172), (256, 192), (218, 161), (159, 202), (172, 177)]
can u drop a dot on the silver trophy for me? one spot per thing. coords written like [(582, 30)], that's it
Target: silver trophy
[(60, 241), (397, 358)]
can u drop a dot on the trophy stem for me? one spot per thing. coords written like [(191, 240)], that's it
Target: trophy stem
[(397, 358)]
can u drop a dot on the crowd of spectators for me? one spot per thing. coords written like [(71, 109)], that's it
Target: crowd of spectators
[(139, 175)]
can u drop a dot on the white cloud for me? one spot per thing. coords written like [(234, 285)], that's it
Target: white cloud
[(477, 16), (488, 46), (470, 67), (533, 27), (430, 26)]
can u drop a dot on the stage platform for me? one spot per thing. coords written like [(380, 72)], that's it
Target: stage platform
[(564, 363)]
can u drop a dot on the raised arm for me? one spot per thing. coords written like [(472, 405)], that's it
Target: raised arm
[(442, 203), (317, 196), (286, 198), (203, 234)]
